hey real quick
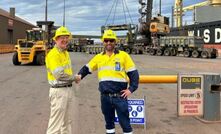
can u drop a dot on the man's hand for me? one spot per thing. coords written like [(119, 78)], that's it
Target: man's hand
[(77, 78), (125, 93)]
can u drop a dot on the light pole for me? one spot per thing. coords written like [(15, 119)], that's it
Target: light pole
[(64, 15), (46, 10), (160, 7)]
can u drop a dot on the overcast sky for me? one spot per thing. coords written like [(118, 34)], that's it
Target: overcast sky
[(85, 16)]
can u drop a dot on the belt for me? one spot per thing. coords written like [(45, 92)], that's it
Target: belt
[(112, 94), (60, 86)]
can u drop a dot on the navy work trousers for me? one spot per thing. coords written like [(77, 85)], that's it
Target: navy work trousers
[(109, 105)]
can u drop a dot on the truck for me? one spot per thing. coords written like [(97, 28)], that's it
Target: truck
[(187, 46), (78, 43), (35, 46), (81, 43)]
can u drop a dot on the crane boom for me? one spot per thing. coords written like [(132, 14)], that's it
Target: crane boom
[(179, 9)]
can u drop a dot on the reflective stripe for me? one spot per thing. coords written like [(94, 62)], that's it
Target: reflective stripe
[(61, 68), (113, 79), (90, 70), (129, 133), (111, 68), (131, 69), (110, 131), (57, 70), (106, 68)]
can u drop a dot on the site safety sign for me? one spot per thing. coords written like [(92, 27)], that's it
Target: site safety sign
[(190, 95), (136, 109)]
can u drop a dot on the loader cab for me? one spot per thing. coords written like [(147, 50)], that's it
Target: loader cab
[(34, 35)]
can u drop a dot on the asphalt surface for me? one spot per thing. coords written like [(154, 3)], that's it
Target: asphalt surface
[(24, 104)]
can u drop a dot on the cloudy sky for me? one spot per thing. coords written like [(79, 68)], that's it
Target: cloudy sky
[(86, 16)]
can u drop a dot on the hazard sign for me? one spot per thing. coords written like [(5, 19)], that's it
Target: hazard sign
[(136, 109)]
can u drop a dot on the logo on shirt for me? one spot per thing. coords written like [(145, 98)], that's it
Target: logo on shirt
[(117, 66)]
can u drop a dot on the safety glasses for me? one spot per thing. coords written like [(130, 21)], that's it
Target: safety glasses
[(109, 40)]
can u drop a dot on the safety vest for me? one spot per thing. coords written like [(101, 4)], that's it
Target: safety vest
[(112, 68), (57, 62)]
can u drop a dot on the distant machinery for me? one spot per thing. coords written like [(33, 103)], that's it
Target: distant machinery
[(36, 45), (138, 39), (179, 9), (188, 46)]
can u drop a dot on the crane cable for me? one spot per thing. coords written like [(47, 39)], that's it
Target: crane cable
[(128, 11), (114, 7), (155, 8), (110, 12), (115, 11), (125, 16)]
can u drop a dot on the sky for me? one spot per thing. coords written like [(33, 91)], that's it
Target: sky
[(87, 16)]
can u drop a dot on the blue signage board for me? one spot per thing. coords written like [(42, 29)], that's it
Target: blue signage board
[(136, 109)]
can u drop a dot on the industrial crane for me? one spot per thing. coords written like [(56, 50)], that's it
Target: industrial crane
[(152, 27), (148, 30), (151, 36), (138, 38), (179, 9)]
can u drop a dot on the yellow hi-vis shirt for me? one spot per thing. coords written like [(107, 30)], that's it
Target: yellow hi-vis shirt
[(112, 68), (58, 66)]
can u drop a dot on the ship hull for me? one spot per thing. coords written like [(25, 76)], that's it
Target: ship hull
[(210, 31)]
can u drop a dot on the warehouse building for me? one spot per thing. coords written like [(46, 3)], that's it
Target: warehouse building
[(12, 27)]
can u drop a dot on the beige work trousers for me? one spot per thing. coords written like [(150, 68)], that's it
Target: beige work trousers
[(60, 121)]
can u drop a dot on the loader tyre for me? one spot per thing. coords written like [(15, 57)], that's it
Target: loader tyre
[(159, 52), (15, 59), (167, 52), (204, 54), (134, 51), (40, 59), (152, 51), (195, 54), (186, 53), (128, 50)]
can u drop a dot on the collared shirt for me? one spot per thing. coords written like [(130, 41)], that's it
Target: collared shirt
[(113, 71), (58, 66)]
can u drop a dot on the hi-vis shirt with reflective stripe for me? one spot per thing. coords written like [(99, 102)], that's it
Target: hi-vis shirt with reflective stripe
[(59, 68), (113, 68)]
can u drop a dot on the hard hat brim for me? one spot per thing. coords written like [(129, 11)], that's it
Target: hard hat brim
[(54, 38)]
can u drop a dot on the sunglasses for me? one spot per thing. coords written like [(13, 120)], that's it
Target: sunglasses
[(109, 40)]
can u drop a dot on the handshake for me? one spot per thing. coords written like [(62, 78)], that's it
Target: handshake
[(77, 78)]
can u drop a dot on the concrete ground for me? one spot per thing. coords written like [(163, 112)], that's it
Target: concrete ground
[(24, 104)]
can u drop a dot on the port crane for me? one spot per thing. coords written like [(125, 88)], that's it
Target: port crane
[(179, 9)]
